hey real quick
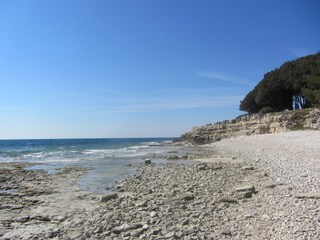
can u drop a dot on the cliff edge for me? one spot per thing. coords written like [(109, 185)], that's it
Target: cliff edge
[(254, 124)]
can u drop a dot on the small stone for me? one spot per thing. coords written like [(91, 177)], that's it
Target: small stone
[(226, 232), (153, 214), (135, 226), (137, 232), (75, 235), (124, 227), (87, 234), (155, 231), (273, 185), (108, 197), (147, 161), (247, 216), (41, 218), (188, 196), (98, 229), (143, 203), (216, 168), (120, 186), (228, 200), (202, 167), (60, 218), (22, 219), (241, 195), (185, 222), (50, 235), (179, 234), (173, 157), (145, 226), (170, 235), (308, 195), (169, 210), (248, 188), (247, 168)]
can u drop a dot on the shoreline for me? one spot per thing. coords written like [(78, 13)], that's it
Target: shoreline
[(201, 200)]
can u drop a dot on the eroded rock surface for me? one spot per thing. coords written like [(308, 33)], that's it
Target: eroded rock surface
[(254, 124)]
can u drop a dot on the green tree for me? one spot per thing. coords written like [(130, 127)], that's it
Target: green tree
[(249, 104), (312, 90), (294, 84)]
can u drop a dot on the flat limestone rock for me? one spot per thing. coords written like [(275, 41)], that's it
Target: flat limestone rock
[(308, 195), (107, 197), (247, 188), (218, 160)]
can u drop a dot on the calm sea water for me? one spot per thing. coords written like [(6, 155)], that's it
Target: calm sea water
[(110, 160)]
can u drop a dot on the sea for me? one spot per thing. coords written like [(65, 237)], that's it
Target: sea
[(108, 160)]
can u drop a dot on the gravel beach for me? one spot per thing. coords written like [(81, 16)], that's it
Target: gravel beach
[(256, 187)]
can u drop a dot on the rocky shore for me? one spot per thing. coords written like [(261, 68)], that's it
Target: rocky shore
[(254, 124), (256, 187)]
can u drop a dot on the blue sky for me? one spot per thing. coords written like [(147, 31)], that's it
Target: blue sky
[(142, 68)]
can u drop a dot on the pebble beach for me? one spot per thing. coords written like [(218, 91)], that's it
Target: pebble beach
[(254, 187)]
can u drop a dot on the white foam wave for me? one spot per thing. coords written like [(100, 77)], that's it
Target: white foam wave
[(138, 147), (99, 151), (58, 160)]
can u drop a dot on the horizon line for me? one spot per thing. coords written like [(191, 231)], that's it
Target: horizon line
[(71, 138)]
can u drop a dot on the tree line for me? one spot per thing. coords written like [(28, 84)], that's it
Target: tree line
[(295, 85)]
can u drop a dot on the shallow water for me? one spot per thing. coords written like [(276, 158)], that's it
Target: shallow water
[(108, 160)]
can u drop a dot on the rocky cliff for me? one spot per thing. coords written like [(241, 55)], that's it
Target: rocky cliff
[(254, 124)]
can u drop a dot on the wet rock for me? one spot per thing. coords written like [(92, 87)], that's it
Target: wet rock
[(147, 161)]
